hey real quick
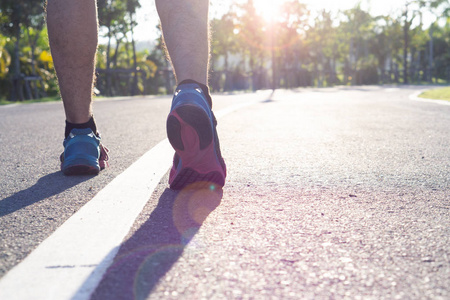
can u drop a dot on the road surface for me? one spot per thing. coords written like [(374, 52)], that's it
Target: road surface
[(332, 193)]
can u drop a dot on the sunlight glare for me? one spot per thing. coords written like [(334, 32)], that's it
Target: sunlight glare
[(268, 9)]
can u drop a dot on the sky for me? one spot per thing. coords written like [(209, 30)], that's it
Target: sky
[(148, 18)]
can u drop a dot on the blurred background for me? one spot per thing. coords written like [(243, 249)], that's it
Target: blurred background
[(256, 44)]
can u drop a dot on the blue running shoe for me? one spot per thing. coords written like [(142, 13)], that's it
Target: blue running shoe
[(191, 129), (83, 153)]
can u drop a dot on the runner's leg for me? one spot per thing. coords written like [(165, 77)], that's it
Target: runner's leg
[(72, 33), (185, 29), (191, 125), (73, 36)]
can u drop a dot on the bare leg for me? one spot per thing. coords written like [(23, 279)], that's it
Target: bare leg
[(185, 30), (72, 32), (191, 125)]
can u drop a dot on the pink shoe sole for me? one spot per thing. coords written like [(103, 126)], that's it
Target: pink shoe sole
[(192, 135)]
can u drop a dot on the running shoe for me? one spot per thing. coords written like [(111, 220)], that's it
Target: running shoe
[(83, 153), (191, 129)]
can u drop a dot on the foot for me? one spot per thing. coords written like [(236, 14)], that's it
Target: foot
[(191, 129), (83, 153)]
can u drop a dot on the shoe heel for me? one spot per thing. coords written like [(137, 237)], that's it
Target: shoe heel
[(189, 116)]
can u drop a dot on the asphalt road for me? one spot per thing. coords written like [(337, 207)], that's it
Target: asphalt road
[(331, 193)]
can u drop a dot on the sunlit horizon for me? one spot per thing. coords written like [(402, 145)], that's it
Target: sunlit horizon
[(268, 9), (148, 18)]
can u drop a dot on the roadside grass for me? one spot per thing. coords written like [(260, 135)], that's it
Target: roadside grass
[(438, 94), (45, 99)]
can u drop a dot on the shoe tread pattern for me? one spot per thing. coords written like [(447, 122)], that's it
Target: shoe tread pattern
[(189, 176), (81, 170), (199, 120)]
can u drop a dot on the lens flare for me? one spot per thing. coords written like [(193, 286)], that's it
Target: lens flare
[(193, 205)]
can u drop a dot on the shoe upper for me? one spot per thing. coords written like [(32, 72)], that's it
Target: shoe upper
[(190, 93), (83, 153), (81, 142), (191, 128)]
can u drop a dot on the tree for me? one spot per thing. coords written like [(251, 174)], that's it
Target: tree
[(132, 5), (223, 43), (322, 39), (5, 61), (16, 16), (292, 24), (251, 38), (118, 18), (5, 58), (440, 9), (357, 31), (441, 54), (111, 14)]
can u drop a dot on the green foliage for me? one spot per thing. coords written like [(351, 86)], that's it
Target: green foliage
[(16, 14), (5, 58), (350, 47), (296, 47), (224, 41), (21, 25)]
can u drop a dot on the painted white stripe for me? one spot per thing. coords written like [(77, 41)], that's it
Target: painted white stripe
[(61, 264), (71, 262)]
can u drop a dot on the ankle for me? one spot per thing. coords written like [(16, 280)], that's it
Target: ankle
[(89, 124)]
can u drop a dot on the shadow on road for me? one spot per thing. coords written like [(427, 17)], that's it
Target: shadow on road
[(271, 97), (152, 250), (47, 186)]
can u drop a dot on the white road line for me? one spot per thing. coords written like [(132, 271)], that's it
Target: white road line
[(71, 262), (88, 241)]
